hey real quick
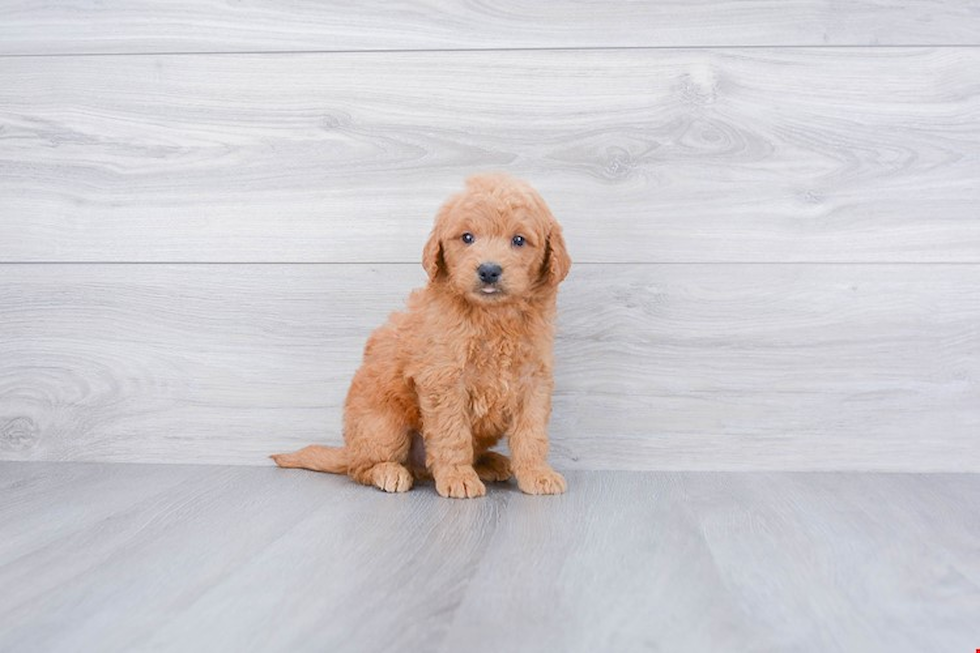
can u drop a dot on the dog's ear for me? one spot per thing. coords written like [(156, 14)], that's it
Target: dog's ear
[(557, 263), (432, 259)]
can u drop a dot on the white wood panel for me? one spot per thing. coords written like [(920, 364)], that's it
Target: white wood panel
[(658, 366), (109, 557), (868, 154), (28, 27)]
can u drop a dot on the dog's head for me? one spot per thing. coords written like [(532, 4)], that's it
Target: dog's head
[(496, 241)]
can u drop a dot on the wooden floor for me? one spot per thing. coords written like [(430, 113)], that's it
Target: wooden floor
[(123, 557)]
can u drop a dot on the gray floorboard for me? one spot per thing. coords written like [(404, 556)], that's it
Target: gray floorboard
[(114, 557)]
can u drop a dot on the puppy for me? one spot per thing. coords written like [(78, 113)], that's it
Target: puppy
[(468, 362)]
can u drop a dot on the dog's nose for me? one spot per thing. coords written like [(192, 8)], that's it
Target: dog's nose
[(489, 272)]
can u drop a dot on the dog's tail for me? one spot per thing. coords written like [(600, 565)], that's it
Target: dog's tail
[(315, 457)]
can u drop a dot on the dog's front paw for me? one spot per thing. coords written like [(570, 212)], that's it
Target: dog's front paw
[(459, 483), (540, 480)]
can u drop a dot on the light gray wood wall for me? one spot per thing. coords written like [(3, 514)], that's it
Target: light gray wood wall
[(693, 366), (28, 27), (854, 154), (777, 241)]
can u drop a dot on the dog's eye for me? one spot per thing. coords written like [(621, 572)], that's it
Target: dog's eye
[(468, 238), (518, 241)]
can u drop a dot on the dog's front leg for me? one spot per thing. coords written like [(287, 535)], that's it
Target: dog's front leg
[(529, 442), (449, 441)]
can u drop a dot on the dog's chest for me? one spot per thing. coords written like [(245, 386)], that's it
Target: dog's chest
[(493, 377)]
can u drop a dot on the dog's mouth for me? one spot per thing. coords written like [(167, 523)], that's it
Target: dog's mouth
[(489, 291)]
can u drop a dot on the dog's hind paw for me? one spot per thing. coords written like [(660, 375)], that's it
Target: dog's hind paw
[(493, 467), (391, 477)]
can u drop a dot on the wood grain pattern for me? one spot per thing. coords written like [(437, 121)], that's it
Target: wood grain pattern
[(210, 25), (772, 155), (747, 562), (658, 367), (116, 557)]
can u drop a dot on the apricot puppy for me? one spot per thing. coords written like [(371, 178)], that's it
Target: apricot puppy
[(468, 362)]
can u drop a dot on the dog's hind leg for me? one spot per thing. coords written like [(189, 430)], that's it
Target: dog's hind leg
[(378, 445)]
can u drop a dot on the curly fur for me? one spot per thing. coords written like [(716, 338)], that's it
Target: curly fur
[(468, 361)]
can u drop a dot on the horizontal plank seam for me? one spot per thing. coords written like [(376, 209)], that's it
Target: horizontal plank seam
[(180, 53), (596, 470), (576, 263)]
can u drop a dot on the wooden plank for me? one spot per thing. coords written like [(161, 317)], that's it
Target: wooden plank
[(210, 26), (658, 367), (164, 562), (756, 155), (747, 562), (232, 559)]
